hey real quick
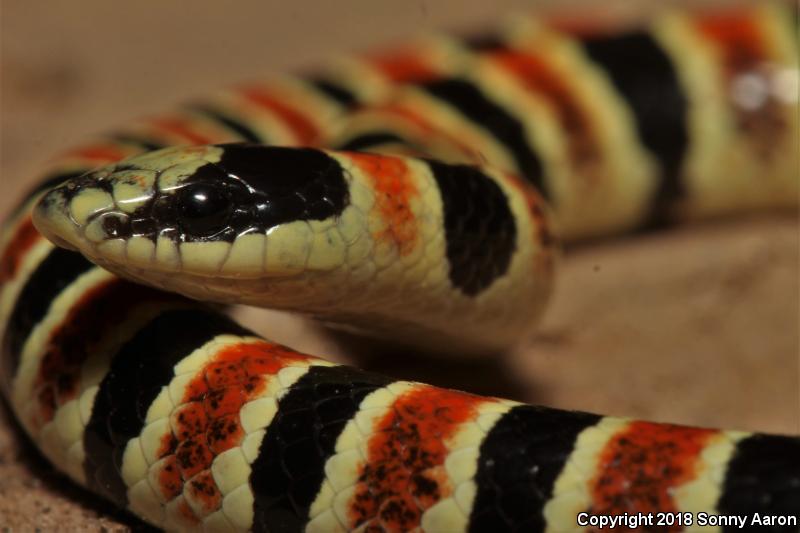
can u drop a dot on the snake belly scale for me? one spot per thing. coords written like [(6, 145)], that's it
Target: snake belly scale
[(415, 193)]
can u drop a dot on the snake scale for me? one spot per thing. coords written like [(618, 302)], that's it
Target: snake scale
[(416, 194)]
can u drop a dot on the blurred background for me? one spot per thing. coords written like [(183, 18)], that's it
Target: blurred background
[(695, 325)]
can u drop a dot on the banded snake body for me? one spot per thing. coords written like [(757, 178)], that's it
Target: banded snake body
[(423, 217)]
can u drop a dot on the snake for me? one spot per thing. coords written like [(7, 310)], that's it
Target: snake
[(416, 194)]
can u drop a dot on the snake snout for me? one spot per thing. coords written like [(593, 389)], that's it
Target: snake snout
[(51, 217), (82, 213)]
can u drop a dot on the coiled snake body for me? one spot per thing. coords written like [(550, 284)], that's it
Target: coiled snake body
[(423, 218)]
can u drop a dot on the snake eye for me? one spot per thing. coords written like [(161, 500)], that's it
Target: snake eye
[(204, 208)]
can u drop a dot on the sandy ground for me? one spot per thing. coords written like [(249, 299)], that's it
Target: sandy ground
[(695, 325)]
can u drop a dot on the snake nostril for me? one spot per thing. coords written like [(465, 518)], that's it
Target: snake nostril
[(116, 226), (107, 226)]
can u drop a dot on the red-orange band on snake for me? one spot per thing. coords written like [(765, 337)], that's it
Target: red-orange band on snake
[(643, 465), (207, 422), (394, 191), (404, 473), (25, 236), (69, 346), (403, 66), (539, 77), (304, 130), (181, 128), (744, 52)]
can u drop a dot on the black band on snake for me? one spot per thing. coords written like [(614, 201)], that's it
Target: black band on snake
[(413, 194)]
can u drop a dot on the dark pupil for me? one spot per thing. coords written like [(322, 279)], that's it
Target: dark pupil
[(204, 209)]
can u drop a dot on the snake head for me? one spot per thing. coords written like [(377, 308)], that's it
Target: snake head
[(211, 211)]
